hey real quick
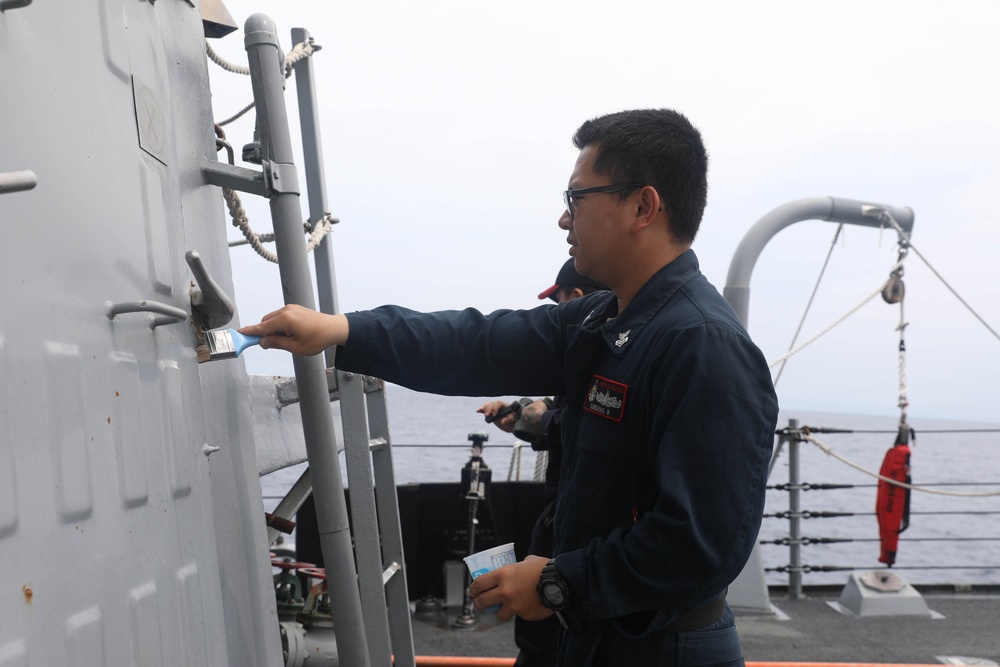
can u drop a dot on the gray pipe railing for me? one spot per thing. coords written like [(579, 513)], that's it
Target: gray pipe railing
[(268, 77), (833, 209)]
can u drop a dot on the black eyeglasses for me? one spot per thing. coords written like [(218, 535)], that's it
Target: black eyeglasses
[(568, 195)]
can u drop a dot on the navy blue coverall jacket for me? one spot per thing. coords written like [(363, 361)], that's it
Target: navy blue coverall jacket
[(667, 433)]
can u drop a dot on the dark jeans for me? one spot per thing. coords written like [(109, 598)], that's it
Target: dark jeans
[(716, 645)]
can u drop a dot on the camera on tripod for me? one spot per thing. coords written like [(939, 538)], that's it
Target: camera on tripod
[(476, 475)]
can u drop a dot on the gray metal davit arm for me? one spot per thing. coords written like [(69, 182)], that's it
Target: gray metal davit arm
[(834, 209), (750, 588), (267, 75)]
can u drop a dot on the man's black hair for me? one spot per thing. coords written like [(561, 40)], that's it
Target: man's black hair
[(658, 147)]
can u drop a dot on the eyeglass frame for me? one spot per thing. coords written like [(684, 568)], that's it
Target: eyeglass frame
[(568, 195)]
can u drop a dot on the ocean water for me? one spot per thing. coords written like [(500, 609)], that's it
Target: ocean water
[(430, 444)]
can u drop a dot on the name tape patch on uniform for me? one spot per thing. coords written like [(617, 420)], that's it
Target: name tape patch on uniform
[(606, 398)]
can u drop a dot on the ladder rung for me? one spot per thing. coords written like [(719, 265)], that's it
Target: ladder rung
[(390, 571), (377, 443)]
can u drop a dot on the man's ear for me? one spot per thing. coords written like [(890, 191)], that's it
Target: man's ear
[(648, 208), (575, 294)]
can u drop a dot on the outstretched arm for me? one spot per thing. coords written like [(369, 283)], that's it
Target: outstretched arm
[(299, 330)]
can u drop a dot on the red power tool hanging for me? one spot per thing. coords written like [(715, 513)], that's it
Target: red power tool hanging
[(892, 505)]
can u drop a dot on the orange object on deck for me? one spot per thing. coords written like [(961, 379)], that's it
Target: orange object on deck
[(832, 664), (461, 661), (892, 504), (464, 661)]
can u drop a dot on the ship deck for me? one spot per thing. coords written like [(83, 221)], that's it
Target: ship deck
[(964, 629)]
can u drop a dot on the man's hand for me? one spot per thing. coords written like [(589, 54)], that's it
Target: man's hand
[(531, 416), (505, 423), (515, 588), (299, 330)]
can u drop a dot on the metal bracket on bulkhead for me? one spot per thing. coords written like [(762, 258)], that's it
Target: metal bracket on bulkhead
[(235, 178)]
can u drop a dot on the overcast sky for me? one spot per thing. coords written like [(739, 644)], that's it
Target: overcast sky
[(447, 130)]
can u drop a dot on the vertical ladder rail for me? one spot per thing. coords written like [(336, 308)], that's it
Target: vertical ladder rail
[(387, 501), (363, 516), (385, 608), (312, 158), (268, 80)]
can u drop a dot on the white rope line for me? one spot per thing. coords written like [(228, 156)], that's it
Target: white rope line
[(541, 465), (903, 400), (812, 297), (256, 241), (514, 469), (237, 115), (299, 52), (888, 216), (319, 231), (829, 328), (223, 63), (827, 450), (240, 221)]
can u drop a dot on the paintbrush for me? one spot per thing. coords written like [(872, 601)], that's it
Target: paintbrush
[(224, 344)]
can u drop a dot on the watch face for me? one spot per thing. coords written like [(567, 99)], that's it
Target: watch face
[(554, 594)]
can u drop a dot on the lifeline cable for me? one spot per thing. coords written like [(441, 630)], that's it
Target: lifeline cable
[(828, 451)]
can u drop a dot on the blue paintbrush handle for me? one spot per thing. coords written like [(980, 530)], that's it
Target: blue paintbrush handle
[(242, 342)]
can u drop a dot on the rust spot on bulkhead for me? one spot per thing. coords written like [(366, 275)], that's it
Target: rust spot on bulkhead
[(109, 421), (28, 593), (117, 394)]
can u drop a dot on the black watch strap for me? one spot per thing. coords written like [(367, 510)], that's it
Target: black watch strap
[(553, 591)]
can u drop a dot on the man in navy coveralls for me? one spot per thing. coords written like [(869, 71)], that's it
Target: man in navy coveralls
[(669, 412)]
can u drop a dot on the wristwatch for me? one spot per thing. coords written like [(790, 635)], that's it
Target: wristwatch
[(553, 591)]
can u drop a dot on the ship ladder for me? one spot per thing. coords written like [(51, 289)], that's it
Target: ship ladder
[(367, 583)]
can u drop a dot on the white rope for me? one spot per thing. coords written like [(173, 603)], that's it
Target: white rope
[(223, 63), (812, 297), (256, 241), (237, 115), (829, 328), (319, 231), (240, 221), (903, 400), (299, 52), (827, 450), (514, 469), (541, 465)]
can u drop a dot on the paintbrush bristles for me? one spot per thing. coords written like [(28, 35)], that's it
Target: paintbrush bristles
[(218, 345), (224, 344), (204, 354)]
